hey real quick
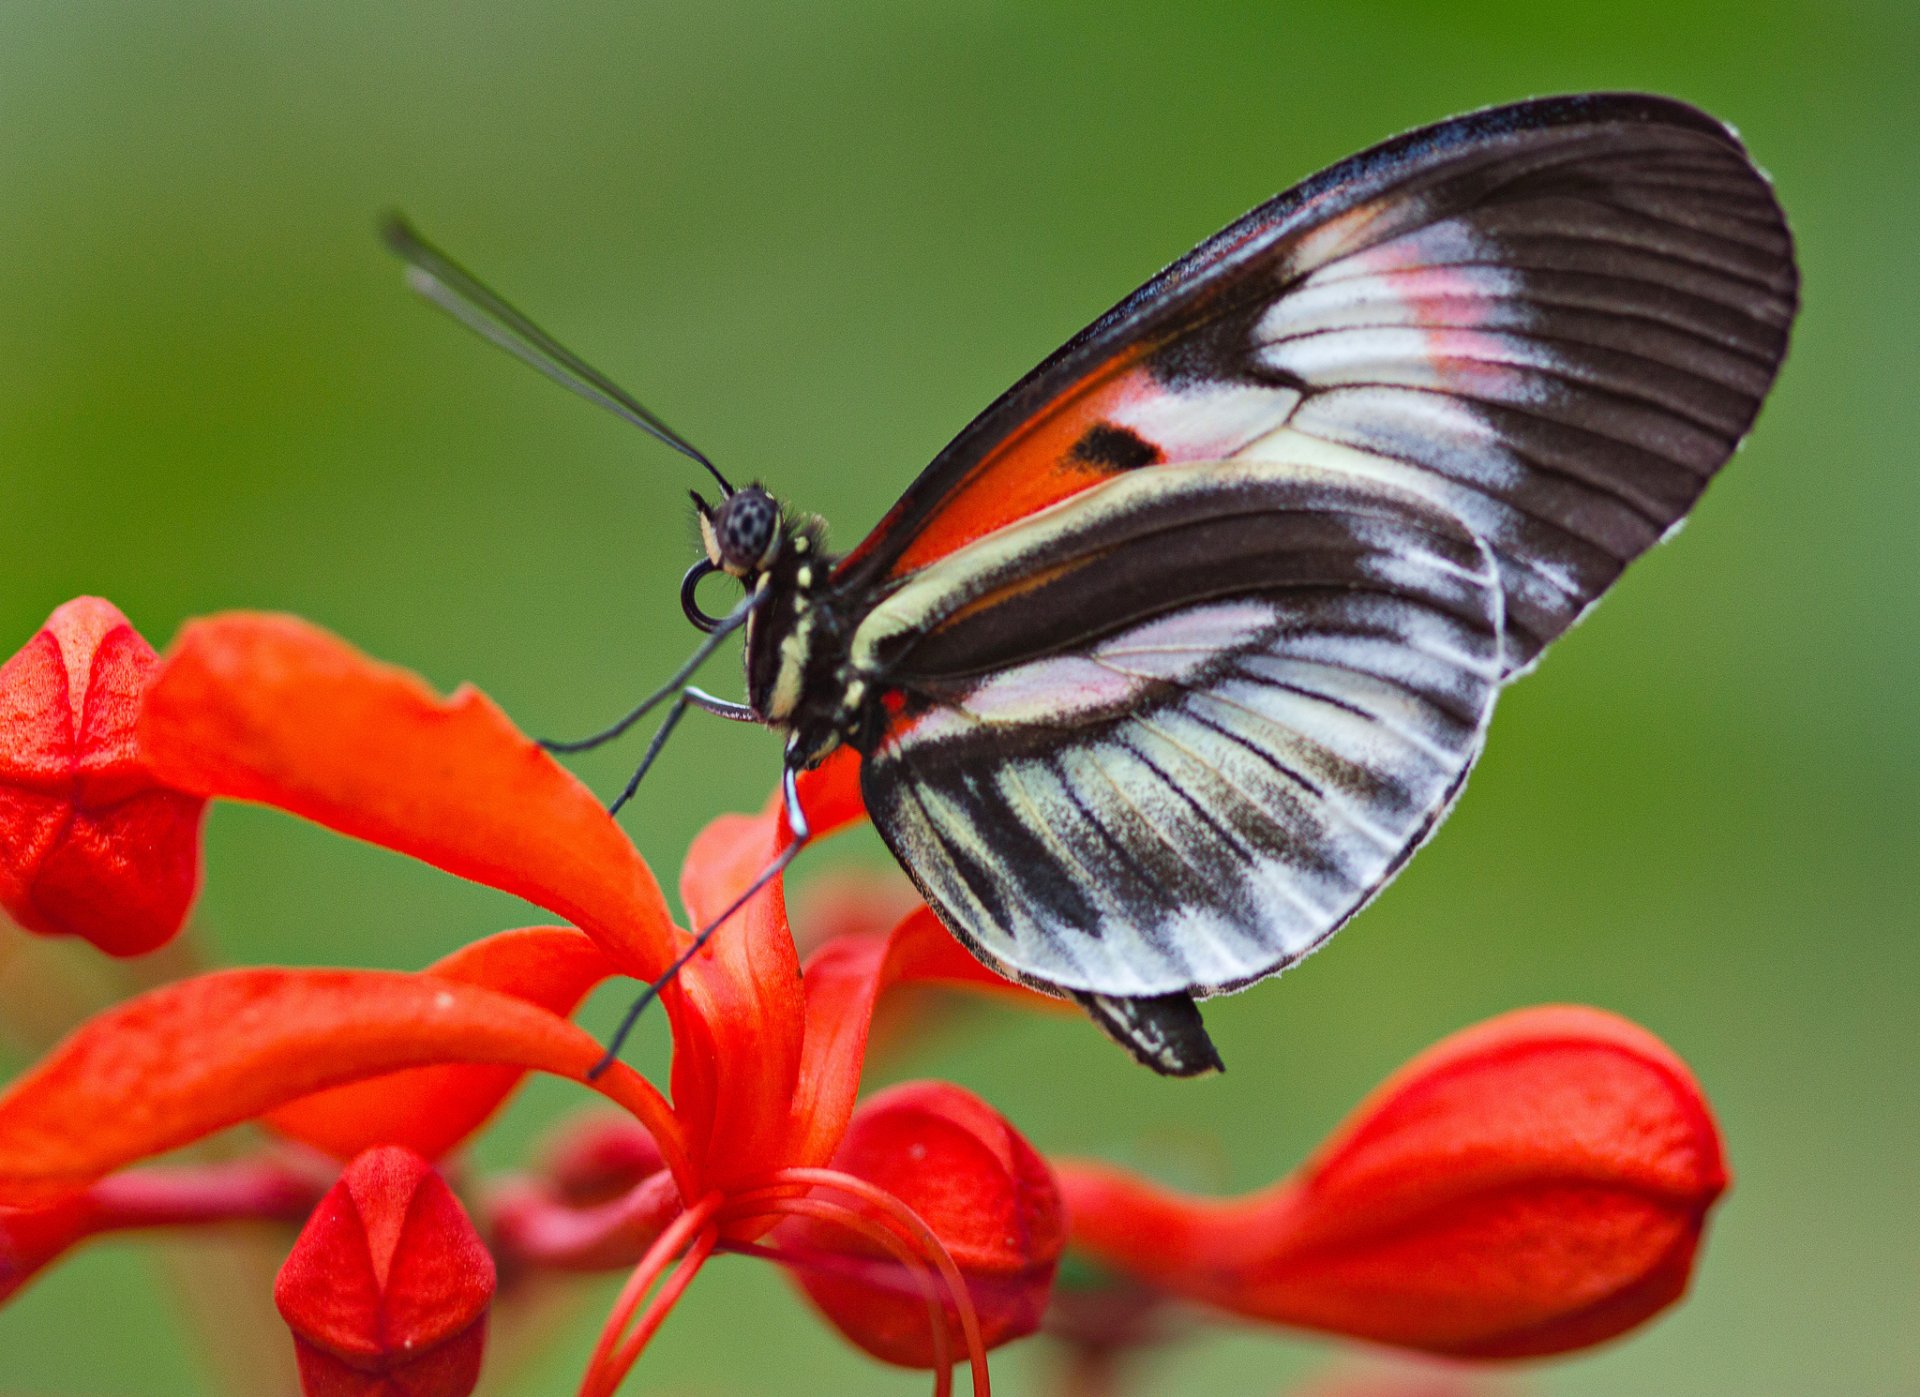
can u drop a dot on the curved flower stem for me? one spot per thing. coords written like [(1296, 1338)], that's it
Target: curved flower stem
[(659, 1307), (911, 1224), (600, 1380), (166, 1195), (916, 1265)]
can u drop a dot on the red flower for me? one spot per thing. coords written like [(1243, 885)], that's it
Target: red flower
[(91, 845), (766, 1062), (1534, 1184), (388, 1287)]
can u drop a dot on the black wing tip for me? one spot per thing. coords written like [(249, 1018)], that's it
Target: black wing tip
[(1163, 1032)]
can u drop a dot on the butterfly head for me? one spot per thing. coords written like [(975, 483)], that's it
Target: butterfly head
[(742, 533)]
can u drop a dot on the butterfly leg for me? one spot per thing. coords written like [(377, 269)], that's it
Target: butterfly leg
[(690, 697), (798, 834), (733, 621)]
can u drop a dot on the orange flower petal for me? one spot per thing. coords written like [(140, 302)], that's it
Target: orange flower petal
[(273, 710), (844, 981), (738, 1027), (190, 1058), (737, 1053), (1534, 1184), (433, 1110)]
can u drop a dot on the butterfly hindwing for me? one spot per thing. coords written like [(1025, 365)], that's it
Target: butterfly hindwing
[(1556, 319), (1226, 702)]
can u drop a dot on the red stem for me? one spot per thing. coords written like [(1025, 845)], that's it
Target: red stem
[(185, 1194), (661, 1306), (666, 1246), (915, 1264), (917, 1230)]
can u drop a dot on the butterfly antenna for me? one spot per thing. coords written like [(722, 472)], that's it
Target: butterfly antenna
[(467, 299)]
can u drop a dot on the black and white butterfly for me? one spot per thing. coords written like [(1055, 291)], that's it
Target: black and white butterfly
[(1172, 658)]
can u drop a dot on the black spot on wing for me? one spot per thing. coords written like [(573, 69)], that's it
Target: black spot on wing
[(1115, 448)]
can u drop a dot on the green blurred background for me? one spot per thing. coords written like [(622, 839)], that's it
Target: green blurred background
[(818, 238)]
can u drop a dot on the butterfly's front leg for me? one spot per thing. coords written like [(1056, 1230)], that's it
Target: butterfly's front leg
[(689, 697)]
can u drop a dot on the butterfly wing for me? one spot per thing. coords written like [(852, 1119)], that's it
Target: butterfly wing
[(1166, 736), (1371, 448), (1556, 319)]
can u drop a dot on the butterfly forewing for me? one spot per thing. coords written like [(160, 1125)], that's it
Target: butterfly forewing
[(1232, 699), (1556, 320)]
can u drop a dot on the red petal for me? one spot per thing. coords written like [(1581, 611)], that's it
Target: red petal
[(90, 844), (602, 1198), (433, 1110), (844, 981), (976, 1182), (737, 1040), (737, 1052), (531, 1227), (830, 794), (190, 1058), (388, 1271), (1534, 1184), (271, 709)]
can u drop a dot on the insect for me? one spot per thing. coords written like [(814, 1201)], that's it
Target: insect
[(1170, 660)]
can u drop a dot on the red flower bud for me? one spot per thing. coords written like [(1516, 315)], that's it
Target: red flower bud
[(1535, 1184), (598, 1156), (388, 1287), (981, 1188), (91, 845)]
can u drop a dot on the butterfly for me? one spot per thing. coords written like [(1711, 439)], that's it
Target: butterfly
[(1171, 659)]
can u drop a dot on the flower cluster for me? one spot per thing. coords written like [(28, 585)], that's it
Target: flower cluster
[(1533, 1185)]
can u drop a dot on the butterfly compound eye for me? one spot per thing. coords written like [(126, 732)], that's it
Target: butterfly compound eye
[(747, 530)]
